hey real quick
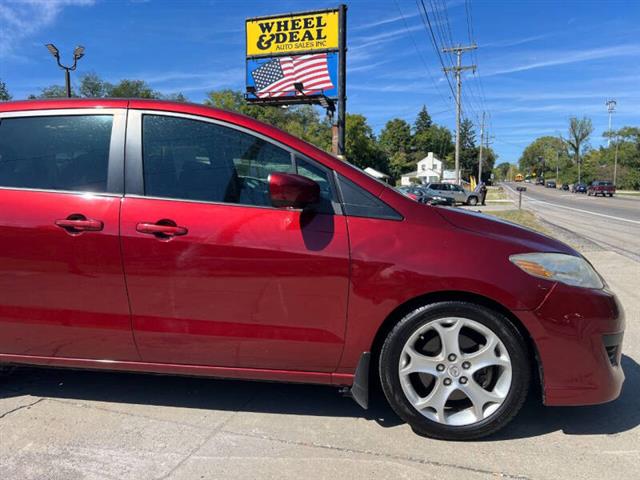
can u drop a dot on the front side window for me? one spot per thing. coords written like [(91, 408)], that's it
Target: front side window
[(69, 153), (323, 178), (196, 160)]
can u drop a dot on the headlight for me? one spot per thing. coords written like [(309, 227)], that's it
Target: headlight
[(559, 267)]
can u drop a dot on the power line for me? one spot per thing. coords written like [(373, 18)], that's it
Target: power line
[(419, 52), (433, 39)]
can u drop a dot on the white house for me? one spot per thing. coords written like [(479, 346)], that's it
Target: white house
[(429, 170)]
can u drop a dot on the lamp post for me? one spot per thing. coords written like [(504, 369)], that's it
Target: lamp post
[(78, 53), (611, 107)]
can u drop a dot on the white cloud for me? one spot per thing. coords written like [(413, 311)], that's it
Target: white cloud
[(385, 21), (567, 57), (21, 19)]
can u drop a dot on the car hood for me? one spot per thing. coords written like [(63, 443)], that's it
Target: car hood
[(487, 225)]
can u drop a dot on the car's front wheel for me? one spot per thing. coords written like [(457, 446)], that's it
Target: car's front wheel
[(455, 370), (472, 201)]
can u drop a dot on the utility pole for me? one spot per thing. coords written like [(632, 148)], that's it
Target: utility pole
[(458, 69), (557, 166), (611, 106), (480, 153)]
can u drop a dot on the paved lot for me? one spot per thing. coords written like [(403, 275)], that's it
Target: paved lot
[(57, 424)]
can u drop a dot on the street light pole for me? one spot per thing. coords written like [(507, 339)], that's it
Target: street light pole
[(611, 106), (78, 53)]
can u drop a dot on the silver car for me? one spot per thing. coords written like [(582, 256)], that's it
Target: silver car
[(459, 194)]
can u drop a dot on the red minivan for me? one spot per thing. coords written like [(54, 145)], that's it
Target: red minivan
[(173, 238)]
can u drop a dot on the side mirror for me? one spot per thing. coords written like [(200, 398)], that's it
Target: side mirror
[(291, 190)]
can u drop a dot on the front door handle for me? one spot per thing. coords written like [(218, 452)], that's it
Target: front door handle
[(162, 229), (78, 223)]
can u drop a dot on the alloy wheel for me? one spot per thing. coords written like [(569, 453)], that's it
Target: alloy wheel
[(455, 371)]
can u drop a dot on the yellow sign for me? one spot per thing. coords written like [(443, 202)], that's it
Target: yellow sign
[(292, 33)]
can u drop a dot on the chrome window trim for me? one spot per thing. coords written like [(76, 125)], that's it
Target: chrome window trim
[(134, 175), (115, 172)]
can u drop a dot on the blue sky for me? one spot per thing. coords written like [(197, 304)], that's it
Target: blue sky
[(539, 62)]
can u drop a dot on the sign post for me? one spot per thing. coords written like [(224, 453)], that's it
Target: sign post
[(520, 190), (342, 82), (300, 58)]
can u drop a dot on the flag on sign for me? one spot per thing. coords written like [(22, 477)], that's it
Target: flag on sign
[(276, 77)]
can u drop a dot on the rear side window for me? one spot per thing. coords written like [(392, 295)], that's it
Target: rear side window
[(196, 160), (360, 203), (69, 153)]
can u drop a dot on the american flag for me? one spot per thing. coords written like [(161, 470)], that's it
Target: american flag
[(276, 77)]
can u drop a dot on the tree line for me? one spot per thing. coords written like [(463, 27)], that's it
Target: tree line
[(395, 151), (573, 157)]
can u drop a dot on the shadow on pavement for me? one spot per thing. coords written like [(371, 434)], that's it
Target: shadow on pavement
[(291, 399), (190, 392)]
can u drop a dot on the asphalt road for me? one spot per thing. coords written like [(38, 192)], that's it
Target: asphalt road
[(71, 425), (609, 223)]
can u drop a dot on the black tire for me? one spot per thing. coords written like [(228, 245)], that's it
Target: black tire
[(473, 201), (500, 325)]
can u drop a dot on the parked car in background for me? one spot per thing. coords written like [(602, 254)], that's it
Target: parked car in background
[(579, 188), (408, 191), (459, 194), (601, 187), (220, 246), (565, 186), (551, 184), (539, 181), (425, 195)]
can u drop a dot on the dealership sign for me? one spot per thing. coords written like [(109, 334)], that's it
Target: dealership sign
[(299, 58), (294, 33), (293, 58)]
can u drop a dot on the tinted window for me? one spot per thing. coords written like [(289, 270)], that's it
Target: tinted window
[(56, 153), (195, 160), (360, 203), (323, 178)]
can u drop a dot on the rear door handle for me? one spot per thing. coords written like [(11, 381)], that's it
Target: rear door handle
[(78, 223), (162, 229)]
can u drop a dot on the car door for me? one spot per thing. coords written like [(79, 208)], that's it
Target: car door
[(215, 274), (62, 291), (458, 193), (445, 190)]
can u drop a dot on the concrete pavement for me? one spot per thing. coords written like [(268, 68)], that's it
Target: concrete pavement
[(67, 425)]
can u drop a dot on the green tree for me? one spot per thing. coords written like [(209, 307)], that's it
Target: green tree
[(54, 91), (579, 132), (400, 163), (396, 137), (423, 121), (396, 141), (623, 156), (92, 86), (501, 171), (436, 139), (5, 96), (132, 89), (468, 150), (361, 147), (547, 148)]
